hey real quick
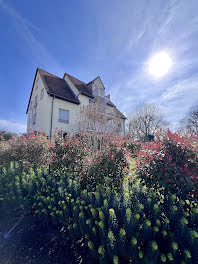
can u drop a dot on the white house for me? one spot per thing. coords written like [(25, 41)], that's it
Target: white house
[(55, 102)]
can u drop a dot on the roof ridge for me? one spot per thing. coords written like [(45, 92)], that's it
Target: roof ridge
[(92, 80), (39, 69), (69, 75)]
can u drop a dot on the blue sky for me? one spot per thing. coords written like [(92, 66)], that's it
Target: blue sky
[(112, 39)]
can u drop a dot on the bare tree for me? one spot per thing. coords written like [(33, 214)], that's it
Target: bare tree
[(96, 118), (189, 123), (98, 121), (144, 122)]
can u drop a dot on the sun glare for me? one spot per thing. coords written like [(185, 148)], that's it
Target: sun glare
[(159, 64)]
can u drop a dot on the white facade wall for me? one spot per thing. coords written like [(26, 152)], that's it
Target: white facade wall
[(72, 127), (42, 109)]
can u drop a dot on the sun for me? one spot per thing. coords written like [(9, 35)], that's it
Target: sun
[(159, 64)]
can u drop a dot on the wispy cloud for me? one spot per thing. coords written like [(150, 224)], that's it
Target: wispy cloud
[(12, 126), (172, 26), (182, 89), (27, 31)]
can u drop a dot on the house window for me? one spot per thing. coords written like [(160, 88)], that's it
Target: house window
[(37, 83), (63, 116), (42, 94)]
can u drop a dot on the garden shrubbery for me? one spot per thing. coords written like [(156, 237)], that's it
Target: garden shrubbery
[(30, 151), (129, 225), (170, 163), (82, 183), (109, 166)]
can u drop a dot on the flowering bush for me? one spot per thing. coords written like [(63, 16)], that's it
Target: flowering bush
[(68, 153), (109, 165), (171, 163), (30, 150), (133, 146)]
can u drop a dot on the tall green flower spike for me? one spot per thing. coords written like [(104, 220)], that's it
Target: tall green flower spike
[(90, 245), (112, 213), (137, 217), (140, 206), (149, 200), (101, 215), (170, 257), (126, 196), (115, 260), (182, 203), (81, 215), (164, 233), (187, 253), (154, 245), (94, 230), (128, 214), (105, 203), (184, 221), (156, 207), (174, 246), (93, 212), (111, 236), (122, 232), (147, 222), (158, 223), (163, 258), (134, 241), (140, 254), (101, 250), (155, 229), (101, 225)]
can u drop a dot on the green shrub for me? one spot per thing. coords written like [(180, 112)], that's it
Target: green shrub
[(171, 164), (28, 150), (140, 227), (109, 166), (133, 146)]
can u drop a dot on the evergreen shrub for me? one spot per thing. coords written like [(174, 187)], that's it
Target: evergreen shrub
[(130, 226)]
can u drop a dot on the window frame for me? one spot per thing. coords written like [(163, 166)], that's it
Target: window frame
[(61, 120)]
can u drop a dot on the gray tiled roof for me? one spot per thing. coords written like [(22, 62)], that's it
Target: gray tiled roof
[(81, 86), (58, 87)]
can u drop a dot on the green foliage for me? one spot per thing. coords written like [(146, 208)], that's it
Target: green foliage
[(146, 229), (170, 165)]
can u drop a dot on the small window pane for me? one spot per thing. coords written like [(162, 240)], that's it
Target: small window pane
[(63, 115)]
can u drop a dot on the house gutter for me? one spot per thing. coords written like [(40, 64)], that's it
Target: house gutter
[(51, 122)]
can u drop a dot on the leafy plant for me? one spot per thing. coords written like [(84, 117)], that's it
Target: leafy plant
[(170, 163)]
